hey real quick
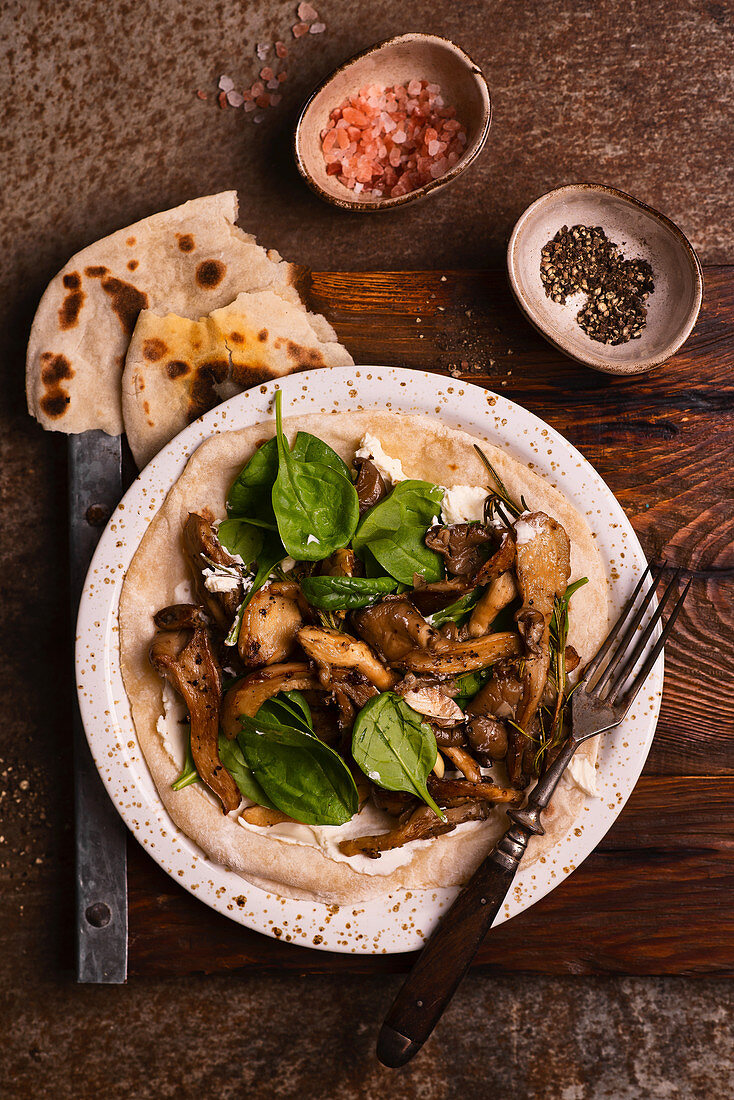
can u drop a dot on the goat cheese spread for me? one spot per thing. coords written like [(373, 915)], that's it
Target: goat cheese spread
[(582, 774), (527, 529), (370, 820), (463, 504), (391, 469)]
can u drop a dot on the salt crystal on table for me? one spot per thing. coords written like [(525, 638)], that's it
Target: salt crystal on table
[(257, 89), (235, 99), (249, 105), (272, 85), (307, 11), (317, 28), (266, 73), (262, 50), (275, 100), (258, 116), (299, 29), (281, 49), (222, 99), (282, 77), (226, 83)]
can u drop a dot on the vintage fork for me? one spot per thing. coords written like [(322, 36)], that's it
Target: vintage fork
[(601, 700)]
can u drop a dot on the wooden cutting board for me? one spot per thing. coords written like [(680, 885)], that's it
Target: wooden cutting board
[(657, 896)]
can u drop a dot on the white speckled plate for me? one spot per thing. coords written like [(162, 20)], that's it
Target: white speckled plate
[(398, 922)]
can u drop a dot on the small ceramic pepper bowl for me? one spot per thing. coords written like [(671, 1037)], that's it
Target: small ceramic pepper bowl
[(396, 61), (640, 232)]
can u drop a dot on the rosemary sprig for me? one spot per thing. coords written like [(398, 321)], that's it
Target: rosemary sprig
[(502, 493)]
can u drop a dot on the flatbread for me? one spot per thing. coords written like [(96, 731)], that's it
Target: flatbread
[(429, 450), (190, 260), (176, 369)]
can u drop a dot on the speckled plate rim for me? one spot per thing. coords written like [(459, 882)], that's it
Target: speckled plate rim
[(470, 154), (598, 362), (400, 921)]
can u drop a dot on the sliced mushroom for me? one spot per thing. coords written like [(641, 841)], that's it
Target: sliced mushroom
[(461, 760), (201, 543), (500, 592), (350, 682), (187, 661), (394, 803), (458, 657), (487, 735), (369, 485), (464, 547), (502, 692), (429, 700), (422, 824), (247, 695), (500, 562), (441, 789), (342, 563), (393, 627), (332, 647), (179, 616), (263, 816), (268, 629), (543, 567)]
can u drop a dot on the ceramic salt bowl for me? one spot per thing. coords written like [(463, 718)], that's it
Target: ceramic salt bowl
[(640, 232), (397, 61)]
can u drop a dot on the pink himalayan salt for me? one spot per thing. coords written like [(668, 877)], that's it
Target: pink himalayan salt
[(306, 12), (299, 29), (390, 141)]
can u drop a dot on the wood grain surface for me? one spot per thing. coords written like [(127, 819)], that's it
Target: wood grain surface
[(657, 896)]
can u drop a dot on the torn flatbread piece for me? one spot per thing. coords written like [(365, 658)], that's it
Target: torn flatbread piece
[(190, 260), (177, 369)]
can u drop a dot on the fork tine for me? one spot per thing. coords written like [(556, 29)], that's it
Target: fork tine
[(633, 657), (630, 628), (595, 663), (639, 680)]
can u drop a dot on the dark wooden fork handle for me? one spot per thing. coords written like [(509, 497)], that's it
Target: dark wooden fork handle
[(442, 964)]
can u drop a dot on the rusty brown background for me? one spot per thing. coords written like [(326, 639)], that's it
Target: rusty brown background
[(100, 126)]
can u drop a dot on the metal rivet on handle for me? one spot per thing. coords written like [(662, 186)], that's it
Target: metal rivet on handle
[(97, 515), (98, 915)]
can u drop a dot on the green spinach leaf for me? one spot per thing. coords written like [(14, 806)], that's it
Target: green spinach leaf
[(250, 492), (457, 611), (309, 448), (394, 532), (241, 538), (394, 747), (189, 774), (287, 708), (232, 756), (315, 504), (345, 593), (301, 775), (470, 684)]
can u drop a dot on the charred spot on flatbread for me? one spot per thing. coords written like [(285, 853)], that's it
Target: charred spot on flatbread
[(176, 368), (126, 301), (132, 264), (202, 395), (262, 335), (73, 302), (251, 374), (237, 337), (154, 349), (95, 272), (185, 241), (55, 370), (130, 241), (210, 273), (304, 357)]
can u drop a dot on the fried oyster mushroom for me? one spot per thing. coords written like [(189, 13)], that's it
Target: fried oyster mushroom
[(187, 661)]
